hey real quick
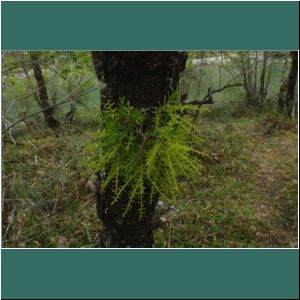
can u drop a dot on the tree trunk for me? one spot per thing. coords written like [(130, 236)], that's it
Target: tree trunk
[(43, 95), (286, 96), (262, 95), (22, 59), (97, 57), (282, 96), (291, 85), (145, 79), (247, 77)]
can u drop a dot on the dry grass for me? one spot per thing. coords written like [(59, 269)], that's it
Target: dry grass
[(248, 194), (46, 201), (246, 197)]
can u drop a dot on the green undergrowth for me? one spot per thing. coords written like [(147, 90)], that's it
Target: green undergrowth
[(245, 195), (46, 200)]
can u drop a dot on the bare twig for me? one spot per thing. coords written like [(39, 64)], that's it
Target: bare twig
[(7, 125), (48, 107), (207, 100)]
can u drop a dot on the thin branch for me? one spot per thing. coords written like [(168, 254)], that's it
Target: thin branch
[(207, 99), (36, 90), (46, 108), (36, 113), (28, 95), (8, 124), (10, 108)]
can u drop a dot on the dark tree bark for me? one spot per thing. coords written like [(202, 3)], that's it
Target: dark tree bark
[(262, 95), (287, 89), (292, 81), (43, 95), (282, 96), (125, 231), (97, 57), (145, 79)]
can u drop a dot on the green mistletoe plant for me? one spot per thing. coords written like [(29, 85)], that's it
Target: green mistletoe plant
[(136, 148)]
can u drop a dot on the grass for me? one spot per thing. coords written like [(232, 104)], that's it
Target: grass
[(245, 197), (46, 197)]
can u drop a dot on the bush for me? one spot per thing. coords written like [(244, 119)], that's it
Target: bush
[(135, 151)]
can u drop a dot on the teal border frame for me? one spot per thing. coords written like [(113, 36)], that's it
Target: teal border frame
[(182, 25), (150, 273)]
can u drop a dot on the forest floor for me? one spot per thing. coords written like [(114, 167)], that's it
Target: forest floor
[(246, 196)]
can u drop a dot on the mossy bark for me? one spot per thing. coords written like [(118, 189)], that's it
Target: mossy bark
[(145, 79)]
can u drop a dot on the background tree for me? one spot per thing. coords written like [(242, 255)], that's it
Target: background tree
[(287, 90), (145, 79), (42, 91), (256, 69)]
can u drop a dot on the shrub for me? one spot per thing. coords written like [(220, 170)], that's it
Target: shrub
[(136, 148)]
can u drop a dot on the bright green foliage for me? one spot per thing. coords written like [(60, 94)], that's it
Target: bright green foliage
[(133, 157)]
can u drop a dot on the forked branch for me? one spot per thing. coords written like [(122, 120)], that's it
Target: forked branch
[(208, 99)]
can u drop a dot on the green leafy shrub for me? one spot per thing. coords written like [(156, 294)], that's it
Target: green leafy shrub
[(138, 148)]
